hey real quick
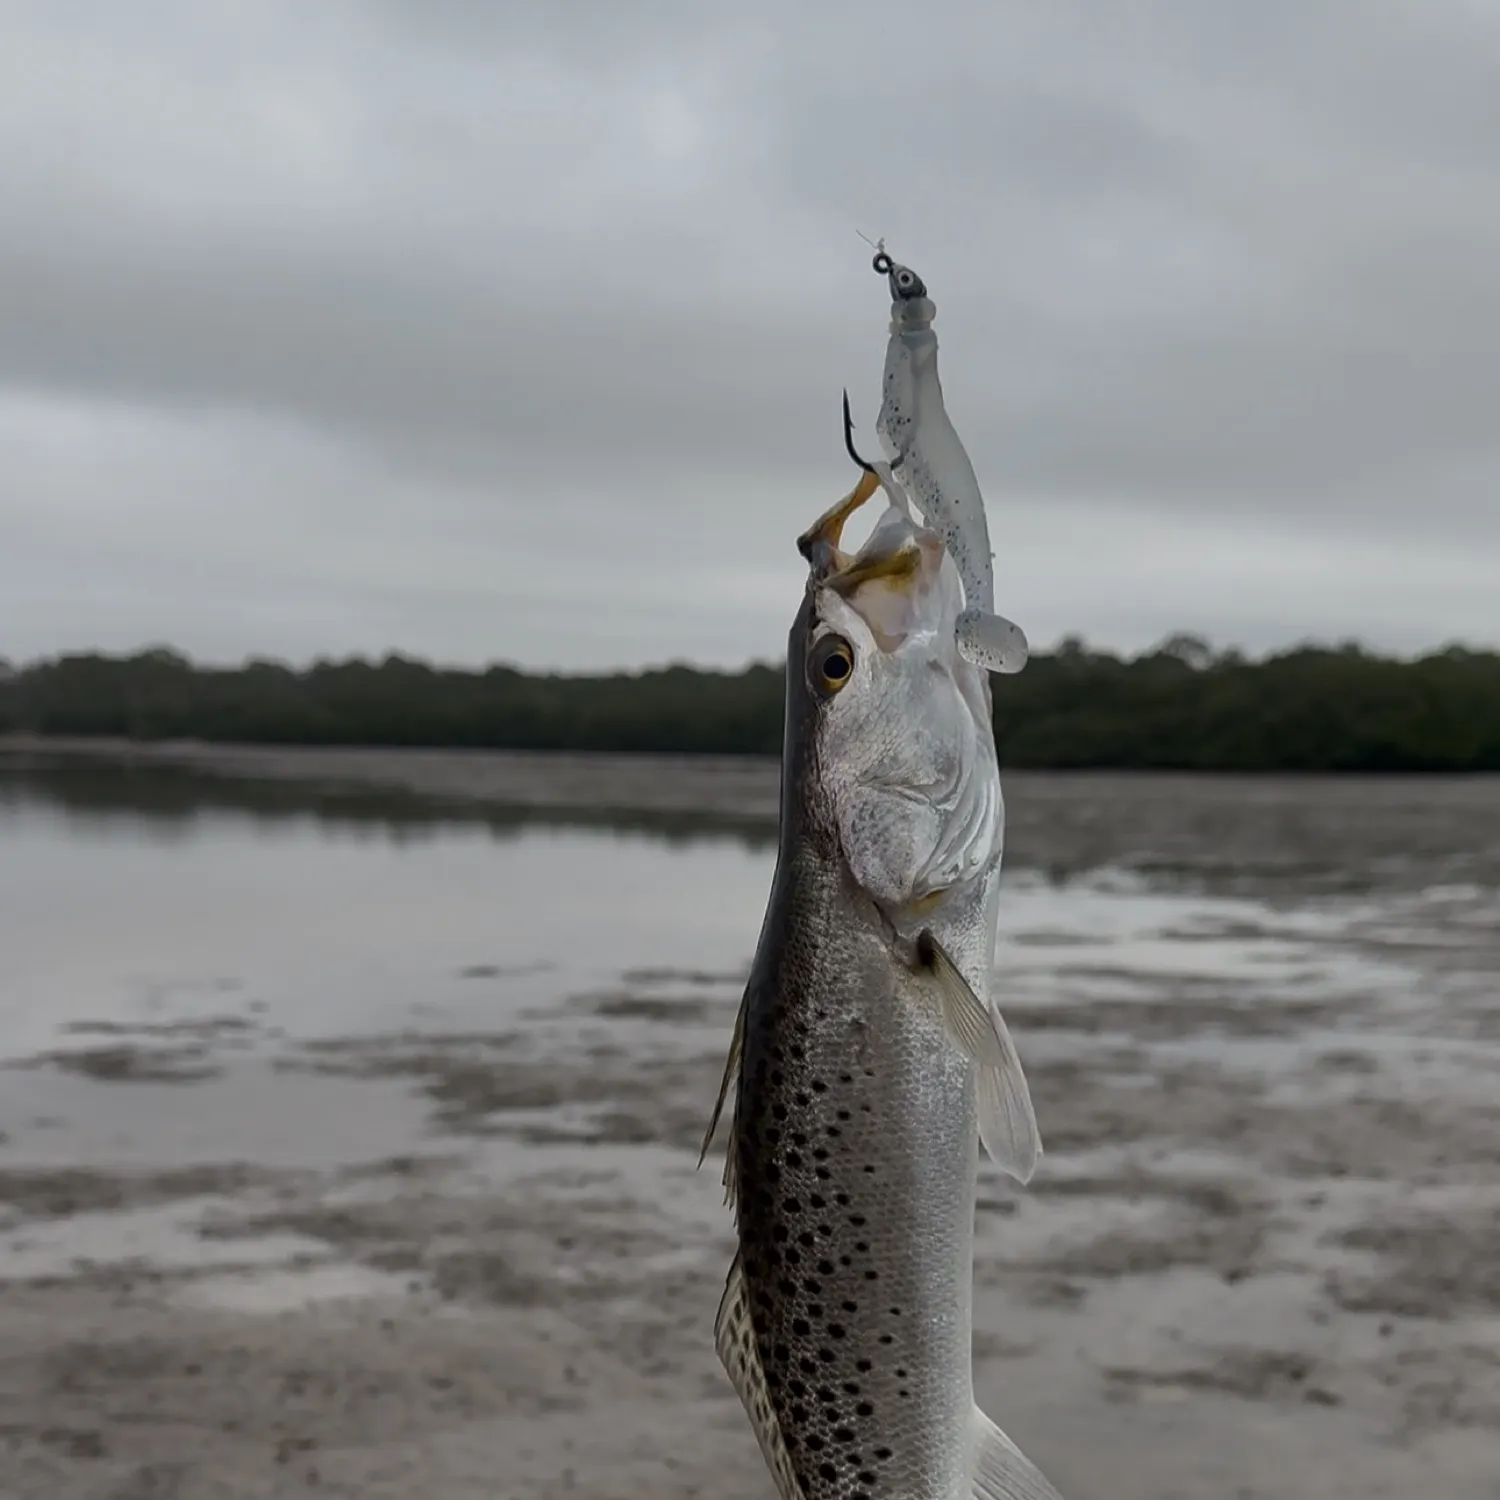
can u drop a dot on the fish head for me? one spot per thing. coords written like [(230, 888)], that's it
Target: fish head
[(900, 751)]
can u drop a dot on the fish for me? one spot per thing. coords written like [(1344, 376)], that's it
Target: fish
[(868, 1061), (924, 448)]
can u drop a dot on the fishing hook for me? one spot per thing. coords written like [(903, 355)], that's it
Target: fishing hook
[(849, 447)]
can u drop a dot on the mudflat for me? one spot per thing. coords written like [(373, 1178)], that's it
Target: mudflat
[(456, 1246)]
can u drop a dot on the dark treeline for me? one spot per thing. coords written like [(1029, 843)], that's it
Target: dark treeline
[(1180, 707)]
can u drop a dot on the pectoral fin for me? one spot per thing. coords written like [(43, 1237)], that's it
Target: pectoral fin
[(1007, 1119)]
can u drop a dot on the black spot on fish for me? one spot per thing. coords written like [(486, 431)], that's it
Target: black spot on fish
[(869, 1171), (900, 1373), (826, 1396), (828, 1472), (825, 1268), (780, 1233), (779, 1112), (794, 1159), (864, 1409), (819, 1087), (807, 1366), (822, 1173), (863, 1366), (797, 1388), (835, 1330), (844, 1114), (798, 1138), (801, 1327), (806, 1239), (815, 1310), (791, 1206), (886, 1338), (882, 1454), (833, 1132), (818, 1200), (846, 1077), (849, 1307), (866, 1477), (863, 1246), (842, 1199), (844, 1434), (811, 1287), (858, 1220), (895, 1312), (792, 1256), (800, 1415), (826, 1355)]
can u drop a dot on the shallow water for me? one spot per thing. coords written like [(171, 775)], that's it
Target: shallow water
[(169, 945), (267, 1046)]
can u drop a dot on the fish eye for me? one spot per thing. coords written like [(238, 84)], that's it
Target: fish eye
[(904, 278), (835, 663)]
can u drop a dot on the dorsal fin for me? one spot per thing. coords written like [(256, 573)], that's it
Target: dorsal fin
[(734, 1338), (731, 1076)]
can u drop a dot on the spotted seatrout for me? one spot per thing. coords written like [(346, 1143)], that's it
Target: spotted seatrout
[(868, 1061)]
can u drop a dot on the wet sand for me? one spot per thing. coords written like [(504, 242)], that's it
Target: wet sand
[(1259, 1258)]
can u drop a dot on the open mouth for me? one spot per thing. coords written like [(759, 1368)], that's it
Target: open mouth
[(890, 581)]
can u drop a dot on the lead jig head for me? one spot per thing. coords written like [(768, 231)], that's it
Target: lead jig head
[(905, 284)]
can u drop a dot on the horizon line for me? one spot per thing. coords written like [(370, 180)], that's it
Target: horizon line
[(1188, 646)]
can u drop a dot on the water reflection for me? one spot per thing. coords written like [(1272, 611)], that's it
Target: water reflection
[(167, 803)]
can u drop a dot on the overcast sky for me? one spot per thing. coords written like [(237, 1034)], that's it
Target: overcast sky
[(516, 331)]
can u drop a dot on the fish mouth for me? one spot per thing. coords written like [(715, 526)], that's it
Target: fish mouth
[(819, 544), (894, 560), (890, 583)]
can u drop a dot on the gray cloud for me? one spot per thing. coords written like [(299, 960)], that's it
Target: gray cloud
[(518, 331)]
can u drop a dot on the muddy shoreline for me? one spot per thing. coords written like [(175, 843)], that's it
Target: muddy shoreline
[(1288, 833), (465, 1252)]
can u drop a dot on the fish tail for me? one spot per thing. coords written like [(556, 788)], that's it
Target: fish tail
[(1001, 1471)]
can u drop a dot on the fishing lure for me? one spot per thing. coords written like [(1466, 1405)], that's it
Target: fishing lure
[(927, 461)]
